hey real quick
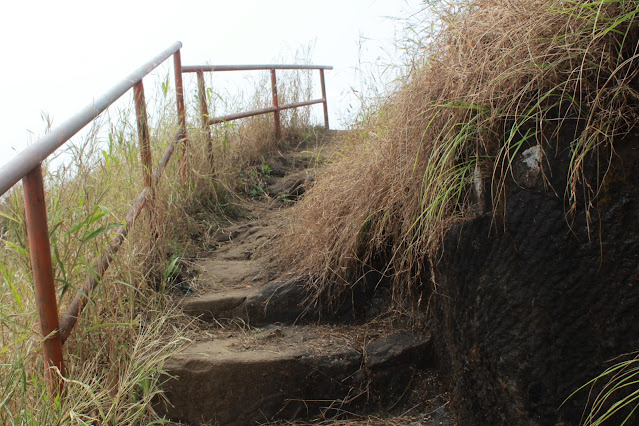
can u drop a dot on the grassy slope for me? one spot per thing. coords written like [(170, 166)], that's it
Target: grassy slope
[(490, 76), (115, 354)]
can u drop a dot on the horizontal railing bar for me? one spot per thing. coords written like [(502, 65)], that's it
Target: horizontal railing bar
[(238, 115), (212, 68), (301, 104), (35, 154), (82, 297)]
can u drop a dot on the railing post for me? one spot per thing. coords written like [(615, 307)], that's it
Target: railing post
[(324, 97), (276, 113), (204, 112), (143, 133), (179, 94), (40, 254)]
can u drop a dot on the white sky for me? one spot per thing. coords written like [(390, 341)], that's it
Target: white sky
[(59, 55)]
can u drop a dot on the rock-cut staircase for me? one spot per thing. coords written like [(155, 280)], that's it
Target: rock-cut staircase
[(263, 357)]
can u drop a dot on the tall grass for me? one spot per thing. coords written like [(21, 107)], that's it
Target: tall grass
[(116, 351), (484, 80)]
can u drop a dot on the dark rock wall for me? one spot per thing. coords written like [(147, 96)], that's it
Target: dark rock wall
[(529, 308)]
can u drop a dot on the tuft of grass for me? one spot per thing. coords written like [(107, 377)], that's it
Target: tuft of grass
[(618, 398)]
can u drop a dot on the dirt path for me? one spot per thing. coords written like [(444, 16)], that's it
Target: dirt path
[(262, 358)]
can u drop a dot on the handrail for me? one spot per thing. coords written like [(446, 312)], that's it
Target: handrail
[(33, 155), (246, 114), (275, 109), (212, 68), (27, 165)]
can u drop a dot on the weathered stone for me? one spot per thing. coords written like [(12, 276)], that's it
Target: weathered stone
[(291, 186), (210, 306), (223, 274), (278, 301), (402, 348), (532, 307), (219, 382), (287, 372)]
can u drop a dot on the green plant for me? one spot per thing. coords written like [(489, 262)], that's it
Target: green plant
[(617, 399)]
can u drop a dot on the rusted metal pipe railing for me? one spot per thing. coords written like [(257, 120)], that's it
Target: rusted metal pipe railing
[(323, 84), (35, 154), (276, 105), (275, 109), (27, 166), (263, 67), (204, 114), (238, 115), (40, 254), (143, 132), (82, 296), (181, 111)]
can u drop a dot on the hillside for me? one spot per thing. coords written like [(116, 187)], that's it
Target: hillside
[(464, 254), (493, 196)]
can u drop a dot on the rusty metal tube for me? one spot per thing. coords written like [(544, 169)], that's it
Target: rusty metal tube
[(301, 104), (323, 84), (143, 132), (238, 115), (82, 297), (166, 156), (213, 68), (245, 114), (33, 155), (204, 113), (276, 113), (181, 111), (201, 90), (40, 254)]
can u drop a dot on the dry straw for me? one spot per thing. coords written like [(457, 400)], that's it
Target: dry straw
[(491, 77)]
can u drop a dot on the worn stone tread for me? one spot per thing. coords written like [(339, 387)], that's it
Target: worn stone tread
[(286, 371)]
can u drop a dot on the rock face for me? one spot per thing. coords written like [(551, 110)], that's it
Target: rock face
[(530, 306)]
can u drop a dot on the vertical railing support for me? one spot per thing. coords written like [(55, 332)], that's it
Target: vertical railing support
[(204, 113), (323, 83), (40, 254), (179, 94), (143, 134), (276, 113)]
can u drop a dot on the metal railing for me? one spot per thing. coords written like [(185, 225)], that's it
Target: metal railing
[(275, 109), (27, 166)]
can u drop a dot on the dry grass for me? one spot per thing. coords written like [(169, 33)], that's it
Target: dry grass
[(491, 77), (115, 353)]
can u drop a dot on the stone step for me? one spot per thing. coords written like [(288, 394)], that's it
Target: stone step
[(278, 301), (292, 372)]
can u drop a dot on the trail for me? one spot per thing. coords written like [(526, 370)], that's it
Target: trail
[(263, 357)]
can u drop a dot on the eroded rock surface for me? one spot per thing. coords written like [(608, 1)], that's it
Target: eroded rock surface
[(535, 305)]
